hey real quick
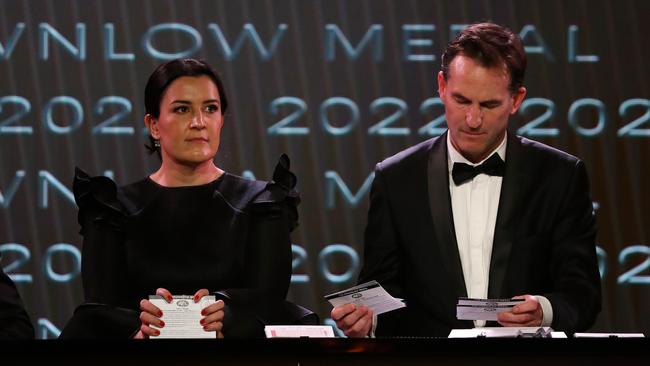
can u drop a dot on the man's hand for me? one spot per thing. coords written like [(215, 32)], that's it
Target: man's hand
[(527, 314), (355, 322)]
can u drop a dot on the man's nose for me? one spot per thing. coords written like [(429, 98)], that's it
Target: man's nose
[(474, 117)]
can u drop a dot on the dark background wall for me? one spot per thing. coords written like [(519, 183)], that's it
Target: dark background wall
[(337, 85)]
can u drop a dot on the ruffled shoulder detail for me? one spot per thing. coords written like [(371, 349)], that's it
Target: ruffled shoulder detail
[(282, 189), (264, 199), (97, 197)]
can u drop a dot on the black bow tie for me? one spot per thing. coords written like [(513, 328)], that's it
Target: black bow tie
[(463, 172)]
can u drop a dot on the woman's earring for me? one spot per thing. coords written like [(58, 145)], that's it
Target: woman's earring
[(156, 144)]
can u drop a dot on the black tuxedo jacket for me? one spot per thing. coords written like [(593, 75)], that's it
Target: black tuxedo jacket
[(544, 239), (14, 321)]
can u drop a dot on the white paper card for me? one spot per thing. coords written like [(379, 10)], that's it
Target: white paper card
[(483, 309), (370, 294), (298, 331), (501, 332), (609, 335), (182, 317)]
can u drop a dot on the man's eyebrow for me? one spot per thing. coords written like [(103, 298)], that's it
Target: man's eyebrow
[(489, 101), (459, 96)]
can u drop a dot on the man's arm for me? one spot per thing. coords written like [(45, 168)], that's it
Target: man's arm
[(381, 253), (14, 321), (575, 299), (381, 263), (576, 295)]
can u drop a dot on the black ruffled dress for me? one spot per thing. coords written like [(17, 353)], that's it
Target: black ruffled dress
[(230, 236)]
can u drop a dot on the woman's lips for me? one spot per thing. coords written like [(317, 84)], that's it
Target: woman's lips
[(197, 139)]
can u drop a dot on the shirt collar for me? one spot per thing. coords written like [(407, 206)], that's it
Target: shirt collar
[(453, 156)]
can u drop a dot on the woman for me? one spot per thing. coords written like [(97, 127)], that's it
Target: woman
[(189, 228)]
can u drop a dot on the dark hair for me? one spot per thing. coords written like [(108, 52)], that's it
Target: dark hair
[(490, 45), (165, 74)]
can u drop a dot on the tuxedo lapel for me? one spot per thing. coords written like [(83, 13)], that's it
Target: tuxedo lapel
[(504, 230), (443, 222)]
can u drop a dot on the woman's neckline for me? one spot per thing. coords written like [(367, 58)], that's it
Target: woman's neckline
[(219, 178)]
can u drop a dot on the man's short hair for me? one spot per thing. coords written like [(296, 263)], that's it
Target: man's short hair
[(491, 45)]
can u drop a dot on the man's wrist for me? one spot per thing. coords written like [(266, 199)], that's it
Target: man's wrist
[(547, 310), (371, 334)]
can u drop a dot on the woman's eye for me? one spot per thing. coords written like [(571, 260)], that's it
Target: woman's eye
[(212, 108), (181, 109)]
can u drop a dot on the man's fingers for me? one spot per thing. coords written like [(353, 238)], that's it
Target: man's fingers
[(527, 306), (361, 327), (530, 304), (340, 312), (356, 323), (529, 324), (352, 318), (510, 319)]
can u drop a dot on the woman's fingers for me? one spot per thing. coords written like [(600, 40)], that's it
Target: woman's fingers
[(147, 306), (146, 318), (165, 294), (214, 326), (218, 305), (150, 315), (200, 293), (212, 320), (149, 331)]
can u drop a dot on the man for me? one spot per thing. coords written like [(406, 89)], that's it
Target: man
[(14, 321), (478, 211)]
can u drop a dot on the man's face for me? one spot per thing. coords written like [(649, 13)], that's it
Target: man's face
[(478, 104)]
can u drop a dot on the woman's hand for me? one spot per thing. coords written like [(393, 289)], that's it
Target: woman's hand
[(150, 315), (212, 320)]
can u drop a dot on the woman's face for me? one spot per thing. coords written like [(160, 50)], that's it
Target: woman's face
[(190, 120)]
